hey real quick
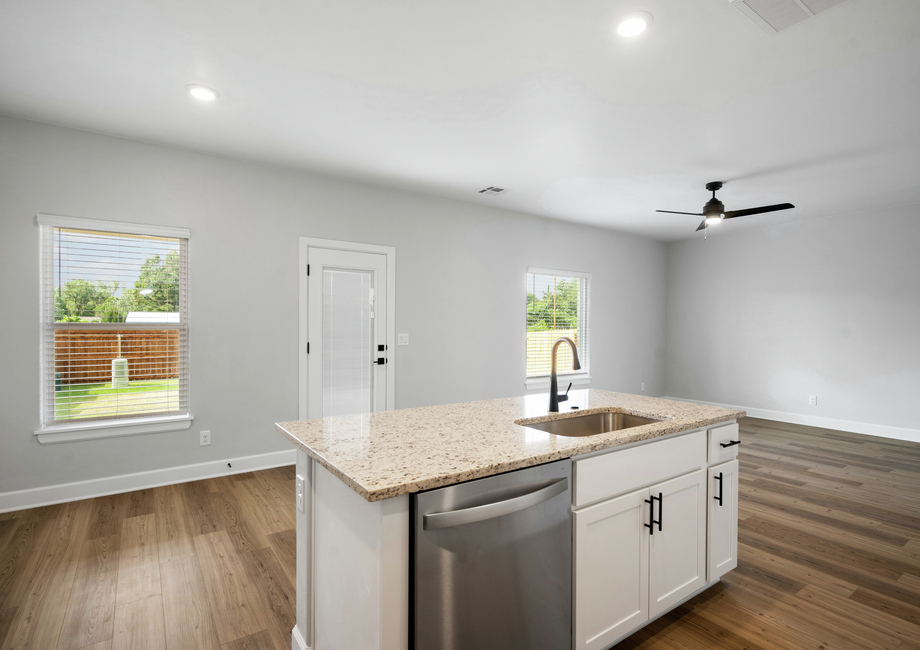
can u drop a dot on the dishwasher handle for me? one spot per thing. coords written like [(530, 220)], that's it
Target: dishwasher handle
[(496, 508)]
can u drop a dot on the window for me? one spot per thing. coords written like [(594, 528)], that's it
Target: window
[(114, 300), (557, 305)]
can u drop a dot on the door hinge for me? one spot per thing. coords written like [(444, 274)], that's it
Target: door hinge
[(308, 269), (308, 347)]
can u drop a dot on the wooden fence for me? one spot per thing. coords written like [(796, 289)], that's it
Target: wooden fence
[(83, 357), (539, 351)]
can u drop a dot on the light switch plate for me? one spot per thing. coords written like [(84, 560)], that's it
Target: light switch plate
[(403, 339), (298, 482)]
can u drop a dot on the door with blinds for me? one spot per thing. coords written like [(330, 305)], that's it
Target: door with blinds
[(347, 332)]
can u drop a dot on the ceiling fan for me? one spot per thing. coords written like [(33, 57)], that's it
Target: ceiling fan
[(714, 211)]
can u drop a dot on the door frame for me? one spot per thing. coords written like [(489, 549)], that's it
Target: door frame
[(389, 252)]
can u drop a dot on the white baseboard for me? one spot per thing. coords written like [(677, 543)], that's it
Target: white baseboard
[(48, 495), (297, 642), (880, 430)]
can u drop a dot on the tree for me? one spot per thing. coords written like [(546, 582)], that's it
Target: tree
[(81, 300), (159, 279), (557, 309)]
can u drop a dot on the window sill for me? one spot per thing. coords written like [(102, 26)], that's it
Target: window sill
[(542, 383), (112, 428)]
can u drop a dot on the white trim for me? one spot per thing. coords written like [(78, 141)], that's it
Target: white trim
[(51, 494), (112, 226), (302, 330), (297, 641), (866, 428), (542, 382), (303, 334), (94, 429), (112, 428), (569, 274)]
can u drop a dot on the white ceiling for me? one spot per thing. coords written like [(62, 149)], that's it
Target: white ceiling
[(538, 96)]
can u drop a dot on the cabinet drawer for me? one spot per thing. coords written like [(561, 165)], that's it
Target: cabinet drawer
[(723, 436), (606, 476)]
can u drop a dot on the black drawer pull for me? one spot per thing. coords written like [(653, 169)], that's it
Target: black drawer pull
[(719, 479), (730, 443), (660, 510)]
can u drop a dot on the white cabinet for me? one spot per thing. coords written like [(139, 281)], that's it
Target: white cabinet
[(638, 555), (611, 548), (723, 519), (723, 443), (677, 550)]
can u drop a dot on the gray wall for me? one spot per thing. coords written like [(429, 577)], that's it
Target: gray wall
[(764, 318), (460, 291)]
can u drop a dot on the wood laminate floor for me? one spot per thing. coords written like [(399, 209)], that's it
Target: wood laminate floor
[(207, 565), (828, 549), (829, 558)]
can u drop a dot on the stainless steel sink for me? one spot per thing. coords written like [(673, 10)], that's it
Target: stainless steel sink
[(590, 424)]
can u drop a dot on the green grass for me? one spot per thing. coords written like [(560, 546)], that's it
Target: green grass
[(97, 400)]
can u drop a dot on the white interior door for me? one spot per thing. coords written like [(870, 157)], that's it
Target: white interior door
[(347, 332)]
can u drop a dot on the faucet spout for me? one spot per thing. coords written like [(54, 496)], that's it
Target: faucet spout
[(553, 382)]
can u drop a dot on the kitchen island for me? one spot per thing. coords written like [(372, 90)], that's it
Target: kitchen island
[(355, 475)]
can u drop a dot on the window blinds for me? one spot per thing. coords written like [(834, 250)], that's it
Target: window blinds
[(114, 320), (557, 305)]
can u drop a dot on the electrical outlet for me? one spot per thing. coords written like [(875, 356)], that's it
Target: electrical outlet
[(204, 438), (402, 339), (812, 400), (643, 386), (299, 484)]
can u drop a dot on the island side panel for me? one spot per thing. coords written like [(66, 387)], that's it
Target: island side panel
[(394, 556), (302, 634), (359, 553)]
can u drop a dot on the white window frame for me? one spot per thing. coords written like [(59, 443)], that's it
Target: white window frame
[(578, 378), (95, 429)]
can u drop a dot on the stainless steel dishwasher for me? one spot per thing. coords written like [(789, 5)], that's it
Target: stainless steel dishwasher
[(492, 562)]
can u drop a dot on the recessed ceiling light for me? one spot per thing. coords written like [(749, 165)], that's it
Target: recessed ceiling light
[(203, 92), (633, 23)]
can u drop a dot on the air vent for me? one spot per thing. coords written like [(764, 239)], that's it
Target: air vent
[(493, 190), (776, 15)]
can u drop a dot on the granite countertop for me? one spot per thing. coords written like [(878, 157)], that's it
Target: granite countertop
[(387, 454)]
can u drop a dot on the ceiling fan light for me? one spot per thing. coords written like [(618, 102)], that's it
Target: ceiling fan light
[(713, 220), (633, 23), (202, 92)]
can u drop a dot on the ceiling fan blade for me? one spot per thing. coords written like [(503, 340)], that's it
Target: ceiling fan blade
[(694, 214), (702, 225), (766, 208)]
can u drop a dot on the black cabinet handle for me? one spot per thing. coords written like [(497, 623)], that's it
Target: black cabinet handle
[(660, 510), (719, 498), (651, 516), (730, 443)]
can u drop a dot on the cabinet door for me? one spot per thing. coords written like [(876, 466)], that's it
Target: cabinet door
[(611, 570), (677, 552), (723, 519)]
